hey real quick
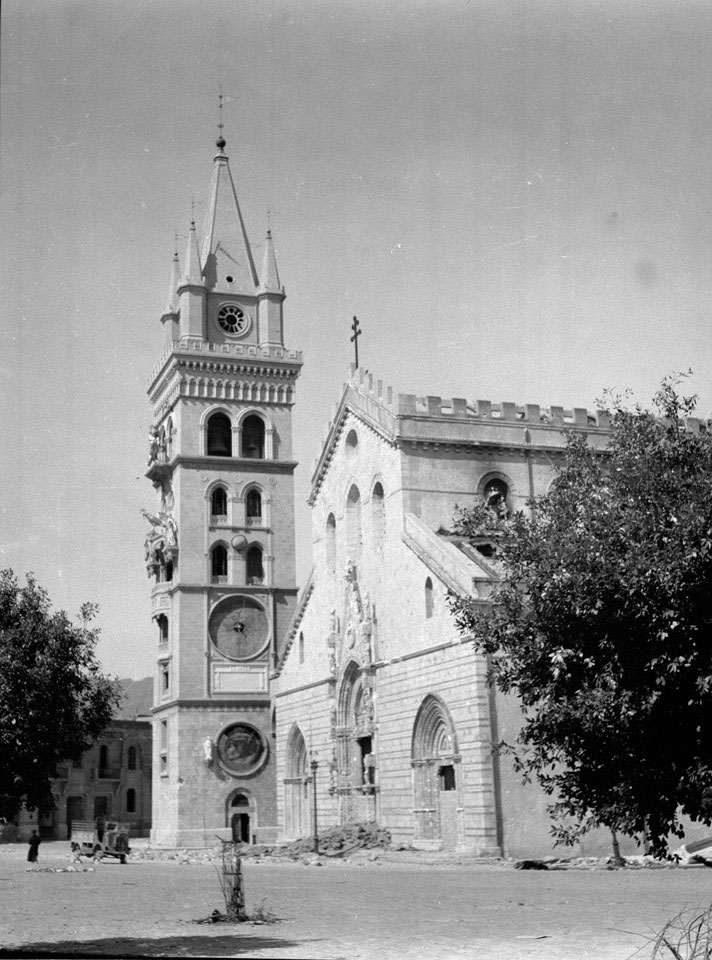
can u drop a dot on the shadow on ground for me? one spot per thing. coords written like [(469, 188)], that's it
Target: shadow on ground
[(220, 946)]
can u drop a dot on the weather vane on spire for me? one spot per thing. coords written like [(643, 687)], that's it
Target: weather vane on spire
[(222, 100), (354, 339)]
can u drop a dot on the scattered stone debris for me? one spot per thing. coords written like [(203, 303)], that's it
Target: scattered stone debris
[(335, 842), (59, 870)]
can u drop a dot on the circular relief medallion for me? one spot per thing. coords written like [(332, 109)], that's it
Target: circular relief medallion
[(232, 319), (238, 627), (241, 749)]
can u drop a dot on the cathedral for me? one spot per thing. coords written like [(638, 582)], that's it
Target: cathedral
[(355, 698)]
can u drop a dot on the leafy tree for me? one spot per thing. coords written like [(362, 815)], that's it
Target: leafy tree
[(54, 702), (602, 625)]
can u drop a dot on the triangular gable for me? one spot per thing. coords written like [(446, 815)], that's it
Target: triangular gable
[(367, 407)]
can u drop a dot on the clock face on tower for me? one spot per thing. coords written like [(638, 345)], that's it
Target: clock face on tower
[(239, 628), (233, 320)]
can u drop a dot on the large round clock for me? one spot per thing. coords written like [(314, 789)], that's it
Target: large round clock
[(238, 627), (241, 749), (233, 319)]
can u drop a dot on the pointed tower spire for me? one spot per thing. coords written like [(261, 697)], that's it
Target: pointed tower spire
[(269, 278), (228, 266)]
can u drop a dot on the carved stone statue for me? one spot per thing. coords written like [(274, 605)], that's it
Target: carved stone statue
[(154, 445), (162, 538)]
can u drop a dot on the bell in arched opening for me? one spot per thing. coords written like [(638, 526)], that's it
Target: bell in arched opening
[(253, 438), (219, 436)]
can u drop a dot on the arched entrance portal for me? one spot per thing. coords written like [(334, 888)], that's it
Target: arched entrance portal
[(437, 790), (296, 786), (239, 818), (355, 747)]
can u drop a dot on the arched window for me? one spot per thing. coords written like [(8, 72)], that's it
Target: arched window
[(131, 762), (219, 436), (428, 598), (130, 800), (162, 623), (353, 524), (218, 502), (351, 446), (253, 504), (496, 496), (218, 564), (255, 570), (253, 438), (331, 544), (378, 517), (301, 648)]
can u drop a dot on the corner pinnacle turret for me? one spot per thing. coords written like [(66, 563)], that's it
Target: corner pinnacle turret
[(269, 278)]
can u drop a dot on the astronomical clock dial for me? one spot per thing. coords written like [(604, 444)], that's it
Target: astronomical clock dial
[(241, 749), (239, 628)]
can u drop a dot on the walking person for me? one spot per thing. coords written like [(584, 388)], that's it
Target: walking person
[(35, 841)]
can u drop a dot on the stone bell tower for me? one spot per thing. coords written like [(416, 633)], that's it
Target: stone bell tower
[(220, 551)]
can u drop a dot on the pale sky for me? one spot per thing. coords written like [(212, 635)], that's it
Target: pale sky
[(514, 196)]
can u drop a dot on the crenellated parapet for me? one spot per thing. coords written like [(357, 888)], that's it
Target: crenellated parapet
[(411, 405), (405, 419)]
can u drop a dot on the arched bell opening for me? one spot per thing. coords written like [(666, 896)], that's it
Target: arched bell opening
[(219, 443)]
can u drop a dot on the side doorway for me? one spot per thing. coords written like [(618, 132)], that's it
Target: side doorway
[(240, 820), (75, 811)]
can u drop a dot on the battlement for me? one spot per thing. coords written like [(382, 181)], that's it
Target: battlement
[(410, 405), (242, 351), (400, 417)]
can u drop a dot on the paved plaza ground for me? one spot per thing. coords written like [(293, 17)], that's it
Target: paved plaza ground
[(398, 906)]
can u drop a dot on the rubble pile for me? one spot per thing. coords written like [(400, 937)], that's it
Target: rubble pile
[(335, 842)]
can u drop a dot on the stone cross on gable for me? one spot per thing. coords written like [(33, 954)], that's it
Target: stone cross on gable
[(354, 339)]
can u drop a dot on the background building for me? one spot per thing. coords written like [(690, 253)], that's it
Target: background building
[(112, 779)]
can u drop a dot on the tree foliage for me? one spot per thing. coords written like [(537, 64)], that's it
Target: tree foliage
[(602, 625), (54, 702)]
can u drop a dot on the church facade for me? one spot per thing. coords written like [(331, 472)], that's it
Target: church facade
[(374, 683), (220, 548)]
